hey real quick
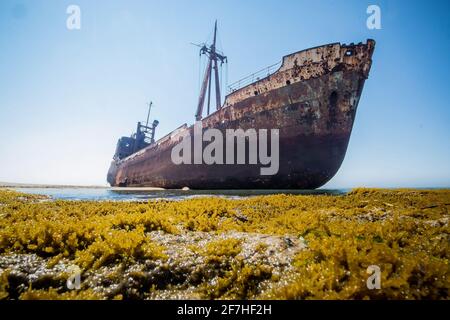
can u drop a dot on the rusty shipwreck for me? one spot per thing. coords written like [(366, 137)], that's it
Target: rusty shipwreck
[(311, 98)]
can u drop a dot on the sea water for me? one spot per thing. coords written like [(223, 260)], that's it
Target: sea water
[(142, 195)]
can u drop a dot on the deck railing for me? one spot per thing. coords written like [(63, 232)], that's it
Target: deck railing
[(258, 75)]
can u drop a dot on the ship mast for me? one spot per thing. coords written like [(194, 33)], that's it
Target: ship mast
[(213, 57)]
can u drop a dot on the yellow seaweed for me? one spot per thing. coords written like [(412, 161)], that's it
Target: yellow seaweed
[(405, 232)]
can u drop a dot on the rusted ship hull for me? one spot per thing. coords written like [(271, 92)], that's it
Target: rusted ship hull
[(312, 100)]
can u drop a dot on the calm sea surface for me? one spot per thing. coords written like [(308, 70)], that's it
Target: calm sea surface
[(135, 195)]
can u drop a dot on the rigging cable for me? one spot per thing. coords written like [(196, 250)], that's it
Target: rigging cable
[(221, 83), (199, 71), (226, 74)]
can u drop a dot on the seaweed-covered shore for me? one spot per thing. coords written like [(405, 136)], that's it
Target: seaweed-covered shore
[(265, 247)]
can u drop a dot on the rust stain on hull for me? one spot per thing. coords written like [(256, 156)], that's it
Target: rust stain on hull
[(312, 99)]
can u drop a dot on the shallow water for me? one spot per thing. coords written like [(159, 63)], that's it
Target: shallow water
[(133, 195)]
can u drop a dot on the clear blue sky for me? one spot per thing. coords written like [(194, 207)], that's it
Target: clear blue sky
[(66, 96)]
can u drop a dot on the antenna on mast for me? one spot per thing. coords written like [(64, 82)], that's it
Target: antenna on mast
[(213, 57), (149, 109)]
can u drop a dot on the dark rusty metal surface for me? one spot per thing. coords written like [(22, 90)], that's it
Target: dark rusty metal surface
[(312, 99)]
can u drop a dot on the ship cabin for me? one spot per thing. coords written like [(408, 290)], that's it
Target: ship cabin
[(144, 136)]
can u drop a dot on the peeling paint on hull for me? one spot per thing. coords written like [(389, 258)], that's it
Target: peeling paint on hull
[(312, 100)]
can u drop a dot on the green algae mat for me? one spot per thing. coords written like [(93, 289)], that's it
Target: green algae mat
[(264, 247)]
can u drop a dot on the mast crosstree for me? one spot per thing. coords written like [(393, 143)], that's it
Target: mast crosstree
[(213, 58)]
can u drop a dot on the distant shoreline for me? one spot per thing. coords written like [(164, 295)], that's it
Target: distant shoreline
[(59, 186), (30, 185)]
